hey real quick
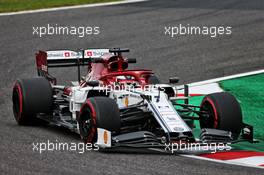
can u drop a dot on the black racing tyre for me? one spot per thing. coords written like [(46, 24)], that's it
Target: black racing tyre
[(224, 113), (30, 97), (98, 112), (153, 79)]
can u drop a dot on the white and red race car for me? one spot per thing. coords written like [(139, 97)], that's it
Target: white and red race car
[(115, 107)]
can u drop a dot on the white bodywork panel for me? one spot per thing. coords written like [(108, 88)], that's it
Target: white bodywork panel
[(104, 138), (168, 114), (162, 109)]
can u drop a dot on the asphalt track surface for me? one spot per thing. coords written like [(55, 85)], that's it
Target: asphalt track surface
[(140, 27)]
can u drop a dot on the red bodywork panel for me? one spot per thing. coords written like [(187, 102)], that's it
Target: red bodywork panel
[(115, 66), (111, 70)]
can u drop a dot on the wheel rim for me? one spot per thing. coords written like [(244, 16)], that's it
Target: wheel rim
[(85, 121), (87, 124), (208, 120)]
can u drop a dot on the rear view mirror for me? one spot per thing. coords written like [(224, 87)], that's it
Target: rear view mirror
[(174, 80), (132, 60)]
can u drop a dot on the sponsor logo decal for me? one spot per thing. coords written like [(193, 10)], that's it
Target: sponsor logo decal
[(67, 54), (105, 137), (178, 129), (163, 107), (89, 53), (171, 118), (126, 101), (54, 54)]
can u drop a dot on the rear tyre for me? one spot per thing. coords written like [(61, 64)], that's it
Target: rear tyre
[(30, 97), (98, 112), (224, 113)]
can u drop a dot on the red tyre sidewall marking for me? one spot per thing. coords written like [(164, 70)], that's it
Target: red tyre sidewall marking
[(214, 109), (93, 115), (17, 86)]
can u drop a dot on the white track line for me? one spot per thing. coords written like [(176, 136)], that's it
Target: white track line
[(247, 162), (254, 160), (70, 7), (221, 161), (215, 80), (203, 89)]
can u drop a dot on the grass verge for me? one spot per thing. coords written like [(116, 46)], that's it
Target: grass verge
[(249, 92), (19, 5)]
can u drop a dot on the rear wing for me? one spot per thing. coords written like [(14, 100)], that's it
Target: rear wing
[(69, 58), (66, 58)]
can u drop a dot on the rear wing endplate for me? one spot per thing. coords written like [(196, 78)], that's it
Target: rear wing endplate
[(66, 58)]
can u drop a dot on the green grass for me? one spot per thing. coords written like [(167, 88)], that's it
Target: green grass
[(19, 5), (249, 92), (193, 101)]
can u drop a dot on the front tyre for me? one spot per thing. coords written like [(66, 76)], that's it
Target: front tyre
[(98, 112), (223, 112)]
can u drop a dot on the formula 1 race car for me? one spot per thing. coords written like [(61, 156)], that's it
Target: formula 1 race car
[(114, 107)]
